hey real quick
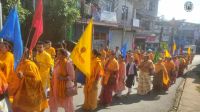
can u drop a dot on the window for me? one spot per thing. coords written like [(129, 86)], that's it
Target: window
[(124, 12)]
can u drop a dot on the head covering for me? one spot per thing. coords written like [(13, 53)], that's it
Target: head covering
[(149, 50)]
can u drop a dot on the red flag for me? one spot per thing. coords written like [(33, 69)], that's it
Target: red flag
[(37, 23)]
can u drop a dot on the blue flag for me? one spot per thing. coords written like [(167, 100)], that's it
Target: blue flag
[(11, 32), (124, 49)]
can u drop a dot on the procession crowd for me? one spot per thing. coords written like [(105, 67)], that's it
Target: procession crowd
[(47, 77)]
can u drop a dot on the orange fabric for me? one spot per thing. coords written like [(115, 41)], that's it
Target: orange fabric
[(161, 67), (170, 66), (7, 67), (97, 71), (8, 61), (3, 82), (112, 65), (103, 53), (146, 66), (61, 65), (137, 58), (63, 69), (30, 96)]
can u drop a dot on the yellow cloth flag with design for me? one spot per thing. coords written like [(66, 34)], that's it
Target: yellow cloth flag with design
[(82, 52), (189, 51), (167, 54), (174, 48)]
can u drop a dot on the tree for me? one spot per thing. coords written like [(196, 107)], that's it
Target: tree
[(8, 4), (59, 16)]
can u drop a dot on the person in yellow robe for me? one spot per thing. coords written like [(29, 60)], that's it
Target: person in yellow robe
[(161, 78), (170, 66), (30, 96), (49, 49), (7, 58), (3, 89), (91, 85), (110, 79), (44, 63)]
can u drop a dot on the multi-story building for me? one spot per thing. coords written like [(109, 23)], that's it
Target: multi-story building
[(116, 21)]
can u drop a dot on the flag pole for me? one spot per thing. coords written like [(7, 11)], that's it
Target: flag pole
[(28, 37)]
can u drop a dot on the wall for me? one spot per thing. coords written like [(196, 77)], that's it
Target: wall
[(117, 38)]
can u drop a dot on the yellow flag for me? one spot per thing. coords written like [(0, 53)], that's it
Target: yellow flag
[(174, 48), (82, 52), (189, 51), (167, 54)]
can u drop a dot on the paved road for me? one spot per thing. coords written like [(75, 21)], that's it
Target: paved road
[(134, 103)]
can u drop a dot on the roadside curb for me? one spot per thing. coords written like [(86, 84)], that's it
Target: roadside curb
[(178, 96), (179, 91)]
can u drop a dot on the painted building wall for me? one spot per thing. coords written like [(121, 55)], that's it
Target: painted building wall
[(117, 38)]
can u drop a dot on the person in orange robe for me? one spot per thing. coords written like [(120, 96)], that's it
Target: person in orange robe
[(146, 68), (91, 85), (3, 81), (122, 75), (110, 79), (30, 96), (170, 66), (137, 57), (63, 78), (182, 65), (161, 78)]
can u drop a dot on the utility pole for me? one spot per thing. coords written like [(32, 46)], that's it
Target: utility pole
[(1, 19), (124, 25), (1, 15)]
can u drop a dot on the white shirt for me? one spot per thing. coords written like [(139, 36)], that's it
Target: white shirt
[(131, 70)]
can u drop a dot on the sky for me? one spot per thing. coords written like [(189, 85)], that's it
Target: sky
[(175, 9)]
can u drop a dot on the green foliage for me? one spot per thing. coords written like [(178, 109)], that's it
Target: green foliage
[(64, 12), (8, 4)]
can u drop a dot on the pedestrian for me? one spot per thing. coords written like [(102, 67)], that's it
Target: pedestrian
[(49, 49), (117, 52), (146, 68), (170, 66), (122, 75), (177, 64), (109, 80), (3, 89), (132, 72), (61, 83), (161, 79), (91, 85), (7, 62), (182, 65), (44, 62), (30, 96)]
